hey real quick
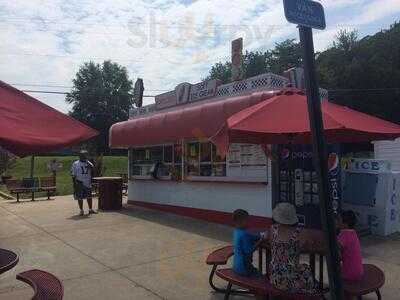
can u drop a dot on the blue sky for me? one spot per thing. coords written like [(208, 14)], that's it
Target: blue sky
[(163, 41)]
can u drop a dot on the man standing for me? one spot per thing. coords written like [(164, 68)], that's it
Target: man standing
[(81, 172)]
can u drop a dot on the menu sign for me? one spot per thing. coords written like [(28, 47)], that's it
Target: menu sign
[(247, 161), (252, 155)]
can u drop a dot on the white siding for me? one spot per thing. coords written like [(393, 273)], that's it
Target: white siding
[(256, 198), (388, 150)]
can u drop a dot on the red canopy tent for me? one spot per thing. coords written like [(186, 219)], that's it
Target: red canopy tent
[(27, 126), (283, 119)]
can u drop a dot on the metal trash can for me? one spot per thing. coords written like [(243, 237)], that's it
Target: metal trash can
[(110, 192)]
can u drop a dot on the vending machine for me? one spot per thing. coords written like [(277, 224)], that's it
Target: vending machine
[(372, 191), (297, 181)]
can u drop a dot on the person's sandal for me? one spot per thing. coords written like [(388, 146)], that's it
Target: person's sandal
[(82, 213), (92, 212)]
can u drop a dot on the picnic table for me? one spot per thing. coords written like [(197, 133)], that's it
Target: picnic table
[(313, 244), (8, 260)]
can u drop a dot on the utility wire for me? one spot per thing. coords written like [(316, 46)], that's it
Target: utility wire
[(64, 93), (65, 86)]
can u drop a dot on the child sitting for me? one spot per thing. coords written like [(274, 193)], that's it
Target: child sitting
[(352, 268), (244, 243)]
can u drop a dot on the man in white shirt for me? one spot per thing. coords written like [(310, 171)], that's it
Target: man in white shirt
[(81, 172)]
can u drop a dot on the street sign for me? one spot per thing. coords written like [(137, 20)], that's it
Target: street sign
[(305, 12), (138, 92)]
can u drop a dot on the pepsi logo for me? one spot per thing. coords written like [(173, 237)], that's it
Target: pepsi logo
[(333, 163), (285, 153)]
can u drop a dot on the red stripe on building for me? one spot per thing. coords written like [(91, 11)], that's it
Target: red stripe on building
[(203, 214)]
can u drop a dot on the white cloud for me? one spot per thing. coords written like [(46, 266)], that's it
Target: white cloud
[(375, 10), (163, 41)]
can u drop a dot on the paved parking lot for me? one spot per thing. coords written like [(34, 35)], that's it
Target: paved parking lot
[(131, 254)]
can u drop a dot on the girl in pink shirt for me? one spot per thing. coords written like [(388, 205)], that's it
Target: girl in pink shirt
[(352, 268)]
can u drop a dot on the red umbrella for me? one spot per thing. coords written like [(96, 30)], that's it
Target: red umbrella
[(27, 126), (283, 119)]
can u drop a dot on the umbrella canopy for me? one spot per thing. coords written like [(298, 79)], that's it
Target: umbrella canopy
[(283, 119), (27, 126)]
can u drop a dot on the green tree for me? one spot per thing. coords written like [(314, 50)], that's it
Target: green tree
[(285, 55), (345, 40), (364, 74), (221, 71), (101, 96)]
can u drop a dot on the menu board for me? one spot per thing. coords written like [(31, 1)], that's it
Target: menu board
[(246, 160)]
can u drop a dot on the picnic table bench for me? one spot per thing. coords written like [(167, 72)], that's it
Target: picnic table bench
[(8, 260), (32, 185), (46, 286), (371, 282), (260, 286), (217, 258)]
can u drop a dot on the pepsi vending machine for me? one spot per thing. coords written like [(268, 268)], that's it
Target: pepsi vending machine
[(298, 181)]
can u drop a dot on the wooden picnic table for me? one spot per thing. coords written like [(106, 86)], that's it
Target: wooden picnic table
[(8, 260), (312, 243)]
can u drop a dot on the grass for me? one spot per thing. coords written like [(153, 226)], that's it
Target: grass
[(112, 166)]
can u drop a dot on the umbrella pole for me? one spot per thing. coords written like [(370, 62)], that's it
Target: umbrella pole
[(32, 173), (321, 164), (291, 171)]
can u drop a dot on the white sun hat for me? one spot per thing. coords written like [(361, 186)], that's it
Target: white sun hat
[(285, 213)]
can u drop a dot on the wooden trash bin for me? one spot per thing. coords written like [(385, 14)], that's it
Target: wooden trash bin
[(110, 192)]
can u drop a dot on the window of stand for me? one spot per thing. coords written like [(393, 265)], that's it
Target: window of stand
[(202, 160), (170, 157)]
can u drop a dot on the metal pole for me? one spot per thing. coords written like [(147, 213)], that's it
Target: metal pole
[(32, 173), (321, 164), (32, 165)]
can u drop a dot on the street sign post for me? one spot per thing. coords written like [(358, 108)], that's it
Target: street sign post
[(305, 12), (309, 14)]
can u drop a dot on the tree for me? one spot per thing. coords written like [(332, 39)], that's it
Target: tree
[(101, 96), (364, 74), (346, 40), (221, 71), (285, 55)]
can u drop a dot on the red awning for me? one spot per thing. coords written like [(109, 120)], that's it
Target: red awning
[(284, 119), (28, 126), (197, 120)]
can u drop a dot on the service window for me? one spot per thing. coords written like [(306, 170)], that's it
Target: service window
[(218, 163), (156, 154), (202, 160), (177, 153), (192, 159), (170, 157), (168, 153), (205, 159)]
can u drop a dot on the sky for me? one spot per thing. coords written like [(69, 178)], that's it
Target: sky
[(165, 42)]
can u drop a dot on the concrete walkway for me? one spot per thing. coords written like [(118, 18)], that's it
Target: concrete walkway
[(131, 254)]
